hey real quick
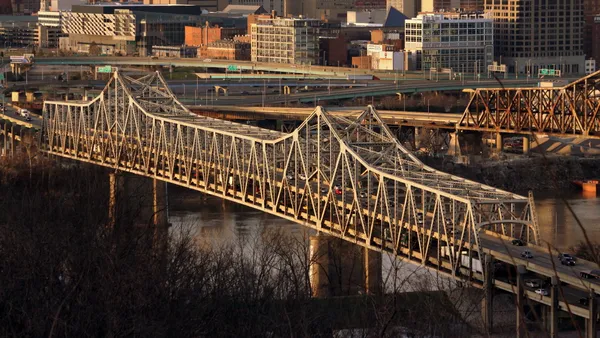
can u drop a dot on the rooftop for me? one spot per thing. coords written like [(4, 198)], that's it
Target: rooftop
[(244, 9)]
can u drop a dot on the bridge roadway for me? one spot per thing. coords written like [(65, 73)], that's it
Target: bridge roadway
[(365, 92), (332, 72), (405, 118), (342, 176)]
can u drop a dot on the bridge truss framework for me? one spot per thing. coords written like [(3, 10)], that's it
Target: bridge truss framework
[(571, 110), (348, 177)]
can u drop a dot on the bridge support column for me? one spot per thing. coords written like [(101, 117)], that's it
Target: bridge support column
[(499, 142), (418, 136), (373, 273), (454, 145), (139, 201), (553, 320), (488, 299), (341, 268), (520, 327), (591, 325), (526, 145)]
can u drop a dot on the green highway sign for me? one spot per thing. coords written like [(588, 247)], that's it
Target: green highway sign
[(232, 68), (105, 69), (1, 76)]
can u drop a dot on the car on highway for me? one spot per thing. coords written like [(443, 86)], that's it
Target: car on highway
[(567, 261), (302, 176), (517, 242), (542, 292), (532, 284), (526, 254), (584, 301), (562, 256)]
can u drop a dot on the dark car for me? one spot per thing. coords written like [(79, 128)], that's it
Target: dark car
[(517, 242), (526, 254), (584, 301), (567, 261)]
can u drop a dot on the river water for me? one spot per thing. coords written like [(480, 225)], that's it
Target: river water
[(210, 218)]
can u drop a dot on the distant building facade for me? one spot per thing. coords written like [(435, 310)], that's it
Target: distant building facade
[(591, 39), (226, 50), (410, 8), (198, 36), (127, 29), (461, 41), (539, 34), (449, 5), (286, 40)]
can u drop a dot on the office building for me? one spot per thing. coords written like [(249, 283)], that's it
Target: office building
[(225, 50), (24, 31), (286, 40), (458, 40), (534, 34), (199, 36), (25, 7), (450, 5), (410, 8), (127, 29), (591, 11)]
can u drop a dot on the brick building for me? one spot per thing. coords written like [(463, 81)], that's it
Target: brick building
[(334, 52), (198, 36), (225, 50)]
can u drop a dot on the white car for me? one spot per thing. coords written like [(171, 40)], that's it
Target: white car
[(532, 284), (542, 292), (302, 176)]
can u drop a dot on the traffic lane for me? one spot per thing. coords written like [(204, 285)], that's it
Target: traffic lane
[(13, 113), (540, 258)]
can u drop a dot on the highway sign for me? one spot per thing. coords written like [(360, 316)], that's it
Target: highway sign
[(1, 76), (232, 68), (105, 69)]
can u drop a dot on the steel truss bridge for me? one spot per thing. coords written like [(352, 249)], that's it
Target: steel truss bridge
[(347, 177), (571, 110)]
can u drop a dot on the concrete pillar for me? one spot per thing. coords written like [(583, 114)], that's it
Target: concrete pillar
[(488, 299), (521, 330), (319, 265), (499, 142), (341, 268), (591, 327), (160, 213), (553, 318), (454, 145), (116, 191), (526, 145), (418, 134), (373, 272)]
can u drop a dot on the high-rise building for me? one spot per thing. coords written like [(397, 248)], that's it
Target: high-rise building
[(461, 41), (535, 34), (286, 40), (438, 5), (410, 8), (591, 8)]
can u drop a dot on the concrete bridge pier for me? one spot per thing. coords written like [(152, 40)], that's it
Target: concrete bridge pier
[(341, 268), (454, 145), (591, 324), (549, 314), (499, 142), (521, 329), (487, 304), (139, 201), (526, 144)]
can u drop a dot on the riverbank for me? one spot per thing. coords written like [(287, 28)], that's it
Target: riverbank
[(539, 174)]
